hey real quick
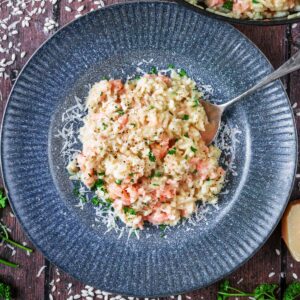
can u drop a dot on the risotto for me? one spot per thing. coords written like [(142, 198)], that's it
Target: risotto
[(142, 151), (252, 9)]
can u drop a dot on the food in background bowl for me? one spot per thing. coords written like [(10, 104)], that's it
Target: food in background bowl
[(142, 150), (251, 9)]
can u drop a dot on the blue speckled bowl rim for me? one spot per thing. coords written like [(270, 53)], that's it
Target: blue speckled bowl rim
[(175, 2)]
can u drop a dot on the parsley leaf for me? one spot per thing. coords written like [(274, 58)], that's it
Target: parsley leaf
[(292, 292), (151, 156), (162, 227), (95, 201), (172, 151), (185, 117), (120, 112), (182, 73), (5, 291), (158, 174), (171, 66), (3, 199), (193, 149), (129, 210), (155, 174), (153, 70), (228, 5), (98, 184), (263, 291), (196, 102), (118, 181)]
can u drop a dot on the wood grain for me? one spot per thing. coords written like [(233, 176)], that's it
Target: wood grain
[(277, 43), (293, 267), (26, 284)]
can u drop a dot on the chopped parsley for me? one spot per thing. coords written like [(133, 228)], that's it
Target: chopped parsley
[(153, 70), (151, 107), (104, 126), (185, 117), (101, 174), (3, 199), (131, 174), (162, 227), (193, 149), (120, 112), (95, 201), (137, 77), (5, 290), (151, 156), (182, 73), (171, 66), (155, 184), (255, 1), (129, 210), (98, 184), (109, 201), (76, 190), (172, 151), (103, 189), (82, 198), (104, 78), (186, 135), (133, 124), (156, 174), (118, 181), (228, 5), (196, 102)]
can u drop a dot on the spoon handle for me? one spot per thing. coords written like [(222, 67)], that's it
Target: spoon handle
[(289, 66)]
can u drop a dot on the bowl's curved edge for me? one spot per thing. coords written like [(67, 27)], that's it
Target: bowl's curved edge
[(192, 7), (248, 22)]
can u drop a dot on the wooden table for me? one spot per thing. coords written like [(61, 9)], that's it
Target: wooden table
[(272, 263)]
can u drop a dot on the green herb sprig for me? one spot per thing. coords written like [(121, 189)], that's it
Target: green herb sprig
[(4, 237), (151, 156), (228, 5), (3, 199), (153, 70), (5, 291), (263, 291), (292, 292)]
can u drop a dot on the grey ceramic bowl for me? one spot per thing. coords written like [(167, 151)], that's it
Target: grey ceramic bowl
[(112, 41), (263, 22)]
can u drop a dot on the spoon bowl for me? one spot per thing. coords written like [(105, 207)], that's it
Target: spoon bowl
[(214, 112)]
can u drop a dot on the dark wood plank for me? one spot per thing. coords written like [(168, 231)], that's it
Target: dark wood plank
[(293, 267), (24, 280), (26, 284)]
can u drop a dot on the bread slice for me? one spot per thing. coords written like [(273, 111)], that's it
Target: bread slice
[(291, 228)]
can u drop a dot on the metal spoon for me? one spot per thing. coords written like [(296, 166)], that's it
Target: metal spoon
[(214, 112)]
